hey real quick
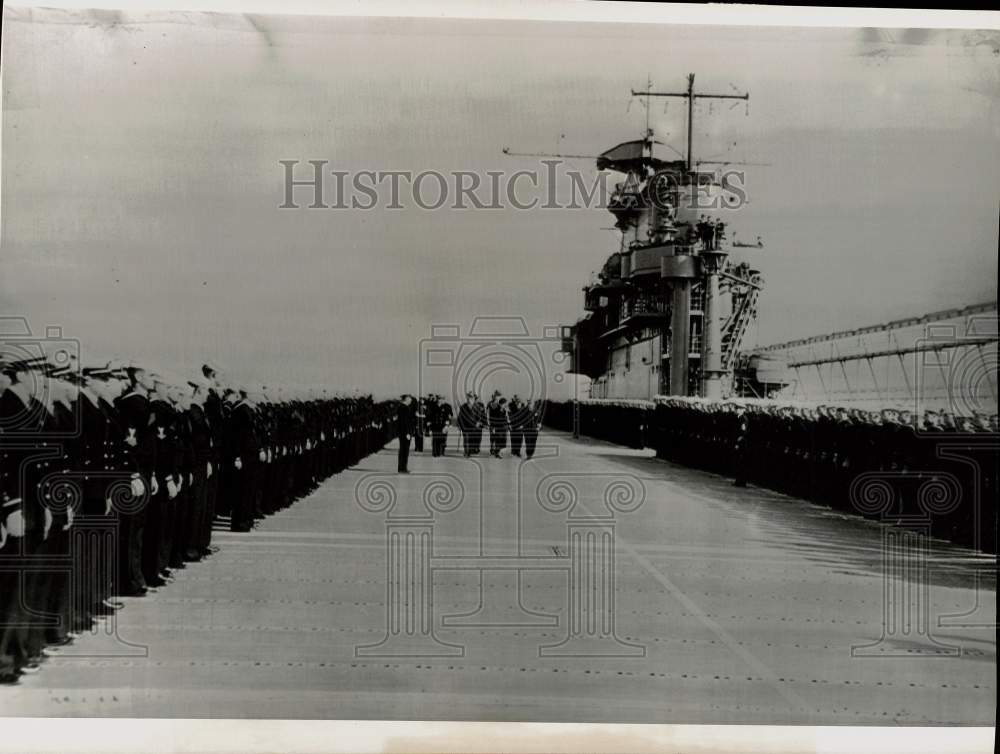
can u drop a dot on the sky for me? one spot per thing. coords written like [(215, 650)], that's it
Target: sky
[(141, 178)]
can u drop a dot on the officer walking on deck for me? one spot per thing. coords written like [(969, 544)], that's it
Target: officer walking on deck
[(441, 420), (482, 422), (467, 423), (532, 426), (497, 415)]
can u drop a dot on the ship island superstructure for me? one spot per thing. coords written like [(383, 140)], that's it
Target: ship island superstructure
[(669, 310)]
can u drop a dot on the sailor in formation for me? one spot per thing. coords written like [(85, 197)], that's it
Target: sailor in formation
[(111, 479)]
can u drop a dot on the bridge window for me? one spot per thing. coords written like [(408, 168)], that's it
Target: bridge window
[(695, 343), (697, 297)]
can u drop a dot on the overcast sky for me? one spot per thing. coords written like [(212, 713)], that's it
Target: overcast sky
[(141, 180)]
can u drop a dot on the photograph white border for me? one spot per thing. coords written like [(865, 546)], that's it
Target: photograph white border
[(118, 736)]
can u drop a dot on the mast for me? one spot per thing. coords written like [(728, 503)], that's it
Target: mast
[(681, 271), (690, 105), (690, 95)]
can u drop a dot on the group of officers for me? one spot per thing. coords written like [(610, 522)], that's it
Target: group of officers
[(518, 420), (111, 478)]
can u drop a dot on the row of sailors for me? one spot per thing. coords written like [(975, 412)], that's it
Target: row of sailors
[(622, 422), (144, 466), (846, 458), (885, 464)]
